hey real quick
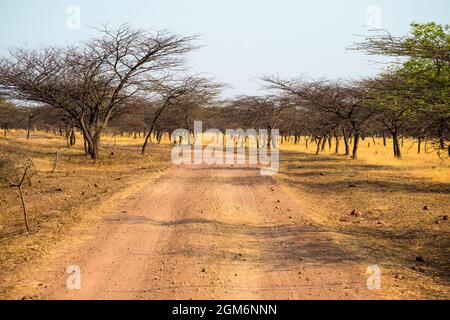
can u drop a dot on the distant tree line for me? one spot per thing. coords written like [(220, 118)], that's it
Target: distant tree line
[(131, 82)]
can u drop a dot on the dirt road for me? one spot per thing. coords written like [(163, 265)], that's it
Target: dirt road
[(207, 233)]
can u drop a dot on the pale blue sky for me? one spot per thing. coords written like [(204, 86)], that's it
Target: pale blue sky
[(242, 39)]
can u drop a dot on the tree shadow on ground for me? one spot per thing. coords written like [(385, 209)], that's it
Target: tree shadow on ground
[(284, 246), (438, 263)]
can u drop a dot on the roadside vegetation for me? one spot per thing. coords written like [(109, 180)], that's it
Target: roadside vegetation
[(83, 124)]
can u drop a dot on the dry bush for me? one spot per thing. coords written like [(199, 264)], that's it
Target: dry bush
[(16, 172)]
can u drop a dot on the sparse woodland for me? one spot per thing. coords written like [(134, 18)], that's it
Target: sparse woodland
[(70, 104), (132, 82)]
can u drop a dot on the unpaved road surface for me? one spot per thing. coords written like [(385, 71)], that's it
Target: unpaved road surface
[(203, 232)]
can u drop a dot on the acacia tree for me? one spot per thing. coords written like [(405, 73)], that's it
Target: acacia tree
[(425, 76), (429, 41), (392, 100), (345, 101), (92, 82), (10, 116), (184, 92), (258, 112), (428, 89)]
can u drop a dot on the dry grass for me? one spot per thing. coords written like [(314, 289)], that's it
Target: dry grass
[(401, 205), (390, 194), (59, 200), (423, 165)]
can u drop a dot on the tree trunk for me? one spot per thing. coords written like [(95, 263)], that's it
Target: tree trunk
[(85, 146), (258, 137), (345, 137), (441, 136), (91, 150), (160, 134), (397, 150), (55, 162), (336, 150), (29, 128), (441, 142), (324, 141), (68, 138), (91, 137), (269, 139), (24, 208), (92, 146), (356, 143), (319, 142), (95, 146), (152, 127), (147, 139), (419, 145), (73, 139)]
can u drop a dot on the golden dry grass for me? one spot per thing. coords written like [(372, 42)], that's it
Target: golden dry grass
[(59, 200), (423, 165), (391, 196)]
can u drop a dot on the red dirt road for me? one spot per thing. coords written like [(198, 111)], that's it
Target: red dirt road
[(202, 232)]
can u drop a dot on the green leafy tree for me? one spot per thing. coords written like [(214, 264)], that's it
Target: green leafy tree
[(419, 87)]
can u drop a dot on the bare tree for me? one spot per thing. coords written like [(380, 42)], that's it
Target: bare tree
[(345, 101), (15, 171), (93, 81), (171, 91), (263, 112)]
